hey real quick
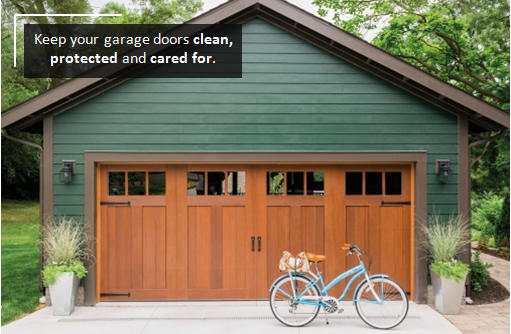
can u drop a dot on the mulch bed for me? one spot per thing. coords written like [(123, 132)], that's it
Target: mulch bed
[(493, 293)]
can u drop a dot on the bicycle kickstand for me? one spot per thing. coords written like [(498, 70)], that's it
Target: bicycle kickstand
[(326, 316)]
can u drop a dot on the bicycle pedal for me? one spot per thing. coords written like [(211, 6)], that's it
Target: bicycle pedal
[(340, 311)]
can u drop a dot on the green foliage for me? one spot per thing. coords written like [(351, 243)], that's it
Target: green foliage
[(465, 43), (475, 235), (480, 273), (319, 176), (276, 183), (20, 259), (150, 12), (20, 167), (454, 270), (445, 236), (490, 165), (20, 164), (486, 212), (51, 272), (502, 226), (16, 88)]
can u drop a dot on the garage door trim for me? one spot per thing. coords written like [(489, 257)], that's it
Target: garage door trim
[(419, 158)]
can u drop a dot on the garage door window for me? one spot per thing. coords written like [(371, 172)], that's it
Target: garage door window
[(373, 183), (156, 183), (216, 183), (116, 183), (295, 183)]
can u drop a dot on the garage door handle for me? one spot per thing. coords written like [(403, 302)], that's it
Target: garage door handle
[(253, 244), (259, 243)]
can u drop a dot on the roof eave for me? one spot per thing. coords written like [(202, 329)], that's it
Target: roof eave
[(314, 29)]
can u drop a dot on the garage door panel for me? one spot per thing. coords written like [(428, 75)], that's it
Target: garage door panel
[(396, 247), (122, 247), (217, 249), (233, 248), (313, 229), (357, 232), (375, 240), (278, 239), (153, 247), (137, 232), (293, 229)]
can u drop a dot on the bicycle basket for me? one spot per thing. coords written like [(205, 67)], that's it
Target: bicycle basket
[(289, 263)]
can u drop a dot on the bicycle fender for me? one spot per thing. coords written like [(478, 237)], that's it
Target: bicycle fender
[(360, 284), (286, 275)]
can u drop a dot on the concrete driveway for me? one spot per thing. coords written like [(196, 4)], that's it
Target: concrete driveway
[(210, 317)]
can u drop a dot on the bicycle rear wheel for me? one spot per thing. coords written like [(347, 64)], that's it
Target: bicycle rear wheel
[(393, 307), (284, 306)]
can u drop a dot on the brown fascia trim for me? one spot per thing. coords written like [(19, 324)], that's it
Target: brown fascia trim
[(45, 99), (85, 92), (92, 159)]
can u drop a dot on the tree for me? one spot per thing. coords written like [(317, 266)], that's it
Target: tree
[(502, 226), (150, 12), (20, 168), (20, 164), (464, 43)]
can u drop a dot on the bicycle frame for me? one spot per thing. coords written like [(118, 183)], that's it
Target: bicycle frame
[(317, 301)]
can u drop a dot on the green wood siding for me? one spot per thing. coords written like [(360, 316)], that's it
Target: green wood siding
[(293, 97)]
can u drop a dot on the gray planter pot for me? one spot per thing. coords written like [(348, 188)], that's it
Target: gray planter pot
[(63, 294), (447, 294)]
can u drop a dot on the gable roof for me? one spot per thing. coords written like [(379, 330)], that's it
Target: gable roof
[(482, 115)]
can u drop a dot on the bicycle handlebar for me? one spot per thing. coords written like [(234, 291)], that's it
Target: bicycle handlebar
[(352, 248)]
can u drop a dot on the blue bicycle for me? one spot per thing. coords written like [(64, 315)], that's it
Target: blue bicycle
[(295, 298)]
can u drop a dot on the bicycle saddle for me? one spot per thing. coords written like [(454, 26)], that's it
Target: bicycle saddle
[(315, 258)]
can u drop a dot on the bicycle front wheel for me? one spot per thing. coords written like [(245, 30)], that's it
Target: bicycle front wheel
[(387, 313), (284, 306)]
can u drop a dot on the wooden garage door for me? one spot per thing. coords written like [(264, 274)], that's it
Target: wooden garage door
[(195, 232), (133, 229), (220, 249), (290, 215), (378, 217)]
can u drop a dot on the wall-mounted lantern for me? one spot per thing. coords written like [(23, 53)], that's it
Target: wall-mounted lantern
[(67, 171), (443, 169)]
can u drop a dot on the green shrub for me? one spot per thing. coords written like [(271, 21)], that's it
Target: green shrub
[(486, 212), (480, 273), (502, 226), (475, 235), (454, 270)]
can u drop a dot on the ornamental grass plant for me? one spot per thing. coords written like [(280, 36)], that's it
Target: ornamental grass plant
[(64, 247), (445, 237)]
